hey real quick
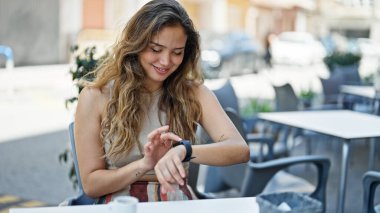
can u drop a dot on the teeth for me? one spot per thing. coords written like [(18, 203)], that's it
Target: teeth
[(161, 69)]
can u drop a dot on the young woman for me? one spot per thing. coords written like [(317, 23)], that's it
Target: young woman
[(135, 123)]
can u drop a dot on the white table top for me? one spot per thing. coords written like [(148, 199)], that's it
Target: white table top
[(364, 91), (344, 124), (228, 205)]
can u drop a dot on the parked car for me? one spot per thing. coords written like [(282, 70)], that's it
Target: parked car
[(229, 54), (297, 48)]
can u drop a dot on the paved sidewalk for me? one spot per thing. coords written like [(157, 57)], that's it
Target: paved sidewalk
[(33, 100)]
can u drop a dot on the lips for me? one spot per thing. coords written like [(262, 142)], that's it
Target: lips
[(161, 70)]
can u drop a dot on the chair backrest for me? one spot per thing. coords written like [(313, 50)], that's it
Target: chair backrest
[(236, 120), (227, 97), (285, 98), (82, 199), (350, 73), (259, 174), (371, 180), (74, 153), (331, 89), (232, 176)]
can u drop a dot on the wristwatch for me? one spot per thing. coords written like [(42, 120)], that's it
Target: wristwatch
[(189, 150)]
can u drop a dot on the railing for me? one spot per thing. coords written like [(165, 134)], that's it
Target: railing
[(8, 54)]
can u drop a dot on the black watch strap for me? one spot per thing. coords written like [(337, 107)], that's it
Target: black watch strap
[(189, 149)]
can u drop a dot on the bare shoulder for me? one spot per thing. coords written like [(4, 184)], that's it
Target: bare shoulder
[(92, 98), (90, 94), (202, 91)]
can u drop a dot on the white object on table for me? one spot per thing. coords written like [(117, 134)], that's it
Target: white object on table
[(226, 205), (124, 204), (344, 124)]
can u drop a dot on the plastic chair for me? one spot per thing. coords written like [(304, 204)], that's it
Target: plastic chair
[(272, 148), (333, 98), (228, 100), (371, 180), (222, 179), (259, 174), (331, 91), (350, 73), (82, 198), (285, 98), (250, 179)]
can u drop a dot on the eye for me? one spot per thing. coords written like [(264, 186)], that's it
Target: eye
[(155, 49), (178, 52)]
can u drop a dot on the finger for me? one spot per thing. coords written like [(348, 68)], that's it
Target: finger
[(168, 136), (179, 166), (164, 190), (164, 177), (161, 180), (165, 186), (149, 145), (157, 132), (172, 167)]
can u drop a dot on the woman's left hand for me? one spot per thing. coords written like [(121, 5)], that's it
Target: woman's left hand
[(169, 169)]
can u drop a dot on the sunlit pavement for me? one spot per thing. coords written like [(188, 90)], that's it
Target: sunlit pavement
[(33, 100)]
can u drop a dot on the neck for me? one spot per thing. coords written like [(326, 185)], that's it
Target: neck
[(152, 87)]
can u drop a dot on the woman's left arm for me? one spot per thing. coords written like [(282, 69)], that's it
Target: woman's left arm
[(229, 146)]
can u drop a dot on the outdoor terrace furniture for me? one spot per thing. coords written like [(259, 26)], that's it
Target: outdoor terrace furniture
[(346, 125), (341, 75), (286, 99), (227, 98), (371, 181), (241, 205), (82, 198), (250, 179), (369, 99)]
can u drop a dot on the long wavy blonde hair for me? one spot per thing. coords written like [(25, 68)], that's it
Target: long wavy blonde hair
[(125, 110)]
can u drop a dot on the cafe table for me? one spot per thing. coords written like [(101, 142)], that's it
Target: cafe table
[(362, 91), (225, 205), (368, 92), (344, 124)]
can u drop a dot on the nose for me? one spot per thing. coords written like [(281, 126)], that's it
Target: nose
[(165, 59)]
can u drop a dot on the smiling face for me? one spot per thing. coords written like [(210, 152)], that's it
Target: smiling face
[(163, 55)]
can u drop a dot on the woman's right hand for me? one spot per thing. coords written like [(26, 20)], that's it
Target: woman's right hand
[(159, 143)]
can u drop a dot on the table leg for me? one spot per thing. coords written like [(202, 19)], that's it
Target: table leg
[(372, 153), (343, 177)]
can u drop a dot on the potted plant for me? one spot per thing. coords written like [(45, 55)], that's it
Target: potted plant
[(306, 97), (341, 59)]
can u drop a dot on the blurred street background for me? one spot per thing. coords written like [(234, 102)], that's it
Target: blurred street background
[(257, 44)]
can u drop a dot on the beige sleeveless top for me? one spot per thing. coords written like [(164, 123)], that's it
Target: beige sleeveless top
[(151, 122)]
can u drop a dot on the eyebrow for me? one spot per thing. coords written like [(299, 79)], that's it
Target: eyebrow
[(160, 45)]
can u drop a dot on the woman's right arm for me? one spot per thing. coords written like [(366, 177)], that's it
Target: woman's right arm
[(97, 180)]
